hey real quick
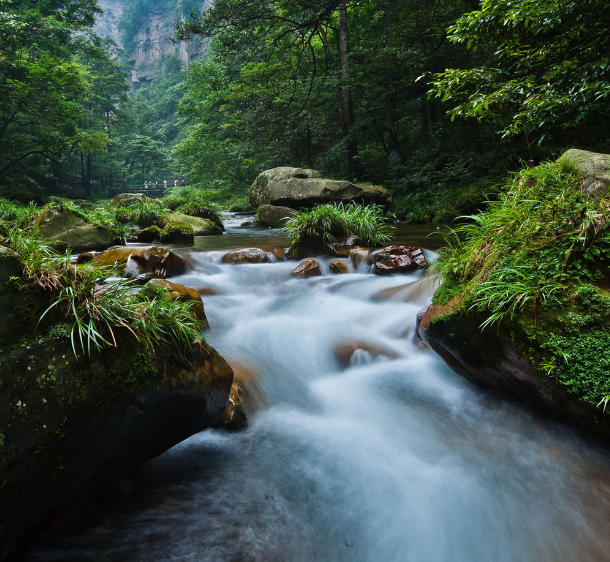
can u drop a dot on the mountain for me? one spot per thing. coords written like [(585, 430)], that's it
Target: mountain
[(144, 29)]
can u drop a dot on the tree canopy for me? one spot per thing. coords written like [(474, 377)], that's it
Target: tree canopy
[(549, 64)]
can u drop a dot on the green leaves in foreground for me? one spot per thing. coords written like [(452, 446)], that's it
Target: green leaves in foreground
[(97, 311), (95, 302)]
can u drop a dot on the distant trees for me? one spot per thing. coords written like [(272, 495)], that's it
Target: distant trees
[(325, 83)]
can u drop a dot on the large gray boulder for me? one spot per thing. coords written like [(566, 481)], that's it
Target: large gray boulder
[(274, 216), (595, 168), (297, 187), (64, 229)]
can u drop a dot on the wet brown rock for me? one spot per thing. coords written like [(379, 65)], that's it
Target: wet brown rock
[(137, 261), (252, 255), (345, 350), (181, 293), (360, 255), (234, 415), (338, 267), (307, 268), (206, 291), (343, 248), (399, 259)]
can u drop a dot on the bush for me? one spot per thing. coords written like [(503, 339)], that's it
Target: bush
[(314, 229)]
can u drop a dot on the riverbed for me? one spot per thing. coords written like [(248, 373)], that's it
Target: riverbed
[(363, 446)]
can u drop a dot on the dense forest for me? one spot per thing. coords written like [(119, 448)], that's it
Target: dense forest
[(434, 100)]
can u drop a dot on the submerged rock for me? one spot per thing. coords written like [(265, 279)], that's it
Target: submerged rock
[(307, 268), (137, 261), (399, 259), (344, 351), (252, 255), (234, 415)]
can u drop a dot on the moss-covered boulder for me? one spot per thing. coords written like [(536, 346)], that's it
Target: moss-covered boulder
[(138, 261), (149, 234), (69, 427), (200, 226), (178, 233), (524, 307), (125, 199), (274, 215), (297, 187), (65, 229)]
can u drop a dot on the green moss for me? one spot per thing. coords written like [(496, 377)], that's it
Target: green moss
[(535, 268), (178, 233)]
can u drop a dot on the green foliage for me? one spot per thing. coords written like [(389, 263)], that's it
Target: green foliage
[(90, 308), (177, 233), (147, 212), (535, 263), (325, 224), (549, 65)]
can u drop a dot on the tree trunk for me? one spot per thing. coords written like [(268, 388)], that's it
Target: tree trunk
[(347, 112)]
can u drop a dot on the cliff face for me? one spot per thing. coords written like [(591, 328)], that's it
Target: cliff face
[(108, 23), (144, 29)]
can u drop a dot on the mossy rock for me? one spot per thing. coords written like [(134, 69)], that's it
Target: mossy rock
[(71, 427), (65, 229), (150, 234), (180, 293), (200, 226), (178, 233), (125, 199)]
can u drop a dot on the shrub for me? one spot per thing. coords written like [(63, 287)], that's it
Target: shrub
[(314, 229)]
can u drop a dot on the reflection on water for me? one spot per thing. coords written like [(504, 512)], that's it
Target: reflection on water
[(364, 447)]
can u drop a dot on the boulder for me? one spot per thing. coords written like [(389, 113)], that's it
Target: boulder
[(399, 259), (307, 268), (71, 427), (178, 233), (252, 255), (295, 188), (338, 267), (181, 293), (65, 229), (492, 359), (595, 168), (343, 248), (345, 350), (137, 261), (201, 227), (273, 215), (125, 199), (149, 234)]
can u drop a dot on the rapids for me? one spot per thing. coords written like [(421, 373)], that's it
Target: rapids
[(383, 454)]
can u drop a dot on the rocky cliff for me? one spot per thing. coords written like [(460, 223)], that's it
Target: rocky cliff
[(144, 29)]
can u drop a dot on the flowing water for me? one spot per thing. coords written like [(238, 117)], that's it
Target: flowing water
[(362, 445)]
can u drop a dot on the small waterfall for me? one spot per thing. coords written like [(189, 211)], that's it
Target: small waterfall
[(362, 447)]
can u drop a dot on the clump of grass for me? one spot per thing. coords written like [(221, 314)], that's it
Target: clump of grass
[(315, 228), (201, 207), (535, 264), (147, 212), (96, 306)]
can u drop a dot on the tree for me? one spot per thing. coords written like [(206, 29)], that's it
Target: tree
[(549, 65), (40, 82)]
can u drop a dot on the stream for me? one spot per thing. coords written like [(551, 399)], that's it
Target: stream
[(362, 445)]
